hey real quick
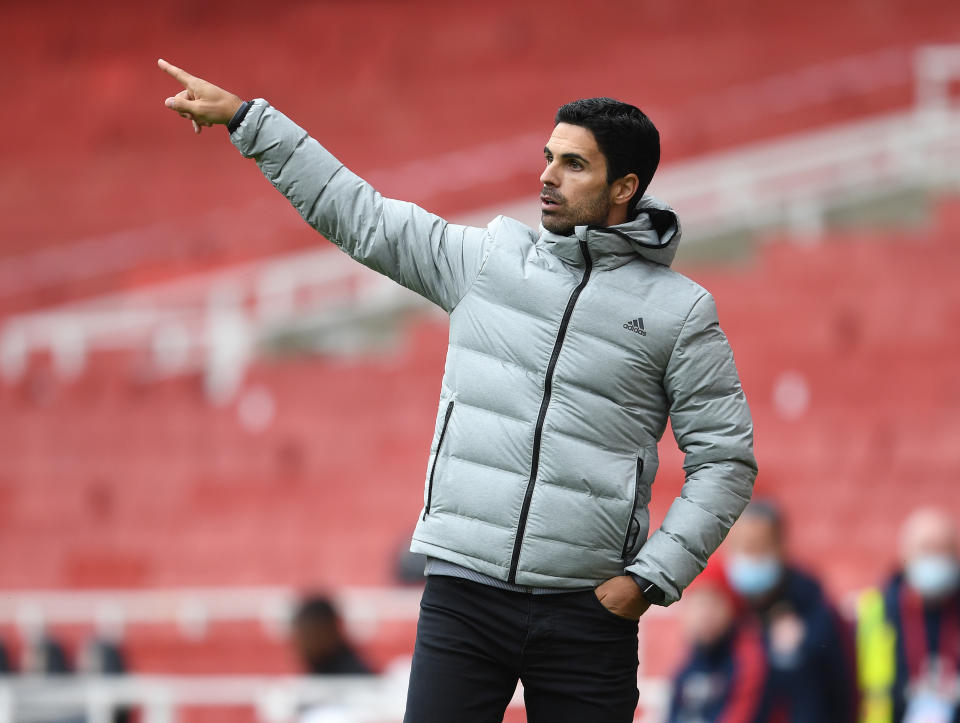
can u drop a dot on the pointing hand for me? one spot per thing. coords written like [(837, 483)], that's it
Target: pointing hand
[(203, 103)]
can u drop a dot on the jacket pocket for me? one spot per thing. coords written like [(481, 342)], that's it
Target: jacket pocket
[(436, 456), (633, 524)]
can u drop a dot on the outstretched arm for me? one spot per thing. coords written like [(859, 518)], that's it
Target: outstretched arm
[(417, 249)]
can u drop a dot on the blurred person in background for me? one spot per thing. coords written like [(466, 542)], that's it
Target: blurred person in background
[(320, 641), (103, 655), (409, 567), (570, 347), (6, 665), (811, 676), (908, 633), (45, 655), (724, 678)]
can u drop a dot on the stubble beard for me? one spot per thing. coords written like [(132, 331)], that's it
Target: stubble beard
[(593, 211)]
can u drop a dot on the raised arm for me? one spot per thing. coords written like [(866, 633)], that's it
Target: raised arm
[(419, 250), (712, 425)]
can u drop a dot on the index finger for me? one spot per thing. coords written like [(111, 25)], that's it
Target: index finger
[(181, 75)]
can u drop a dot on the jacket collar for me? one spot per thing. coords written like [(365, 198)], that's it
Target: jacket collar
[(653, 232)]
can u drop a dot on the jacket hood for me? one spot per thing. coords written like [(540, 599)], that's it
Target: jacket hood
[(653, 232)]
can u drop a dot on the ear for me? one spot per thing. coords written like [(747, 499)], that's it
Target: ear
[(622, 190)]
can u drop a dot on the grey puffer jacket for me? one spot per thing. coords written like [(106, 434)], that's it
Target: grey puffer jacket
[(566, 356)]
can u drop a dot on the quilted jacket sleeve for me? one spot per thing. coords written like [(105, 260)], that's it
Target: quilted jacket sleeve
[(712, 425), (417, 249)]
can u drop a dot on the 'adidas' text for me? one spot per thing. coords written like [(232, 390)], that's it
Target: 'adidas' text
[(636, 326)]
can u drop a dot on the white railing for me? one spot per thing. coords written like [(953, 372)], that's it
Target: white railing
[(192, 610), (270, 699), (216, 322), (368, 699), (363, 608), (211, 322)]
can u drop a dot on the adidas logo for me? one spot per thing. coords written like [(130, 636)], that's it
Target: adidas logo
[(636, 326)]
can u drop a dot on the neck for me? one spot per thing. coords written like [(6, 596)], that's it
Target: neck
[(617, 215)]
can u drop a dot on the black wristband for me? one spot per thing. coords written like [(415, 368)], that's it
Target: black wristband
[(651, 593), (239, 116)]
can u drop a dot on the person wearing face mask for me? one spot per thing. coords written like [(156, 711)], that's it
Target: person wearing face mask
[(908, 634), (723, 678), (811, 677)]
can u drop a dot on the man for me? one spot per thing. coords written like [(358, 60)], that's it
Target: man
[(811, 670), (319, 640), (908, 635), (568, 350), (723, 678)]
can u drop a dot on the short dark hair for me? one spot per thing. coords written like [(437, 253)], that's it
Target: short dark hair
[(767, 511), (315, 609), (625, 135)]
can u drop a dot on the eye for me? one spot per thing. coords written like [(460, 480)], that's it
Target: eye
[(575, 165)]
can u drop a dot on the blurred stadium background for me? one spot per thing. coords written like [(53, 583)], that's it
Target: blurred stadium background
[(206, 410)]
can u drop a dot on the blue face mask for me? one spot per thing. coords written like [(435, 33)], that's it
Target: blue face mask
[(753, 576), (933, 576)]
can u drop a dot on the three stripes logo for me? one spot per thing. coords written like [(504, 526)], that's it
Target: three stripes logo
[(636, 326)]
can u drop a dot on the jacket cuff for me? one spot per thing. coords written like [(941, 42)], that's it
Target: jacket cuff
[(667, 560), (659, 561), (238, 116), (245, 134)]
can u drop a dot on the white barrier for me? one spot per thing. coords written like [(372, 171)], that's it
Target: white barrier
[(367, 699), (192, 610)]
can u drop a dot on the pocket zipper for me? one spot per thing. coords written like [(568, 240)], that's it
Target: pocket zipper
[(436, 456), (633, 527)]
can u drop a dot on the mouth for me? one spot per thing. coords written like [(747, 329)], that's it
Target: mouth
[(549, 203)]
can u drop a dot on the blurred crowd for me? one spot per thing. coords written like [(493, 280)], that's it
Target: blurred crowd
[(44, 654), (766, 645)]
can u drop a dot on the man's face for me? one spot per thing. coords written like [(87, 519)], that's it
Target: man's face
[(754, 537), (929, 533), (315, 640), (754, 564), (929, 550), (575, 189)]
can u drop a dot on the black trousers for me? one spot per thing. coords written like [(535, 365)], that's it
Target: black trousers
[(576, 659)]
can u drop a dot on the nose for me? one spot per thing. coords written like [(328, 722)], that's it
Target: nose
[(549, 175)]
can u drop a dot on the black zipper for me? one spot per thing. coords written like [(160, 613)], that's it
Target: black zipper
[(633, 527), (436, 456), (538, 430)]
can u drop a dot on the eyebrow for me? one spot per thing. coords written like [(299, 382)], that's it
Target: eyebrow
[(568, 156)]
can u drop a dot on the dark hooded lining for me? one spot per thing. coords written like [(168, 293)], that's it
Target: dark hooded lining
[(662, 221)]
